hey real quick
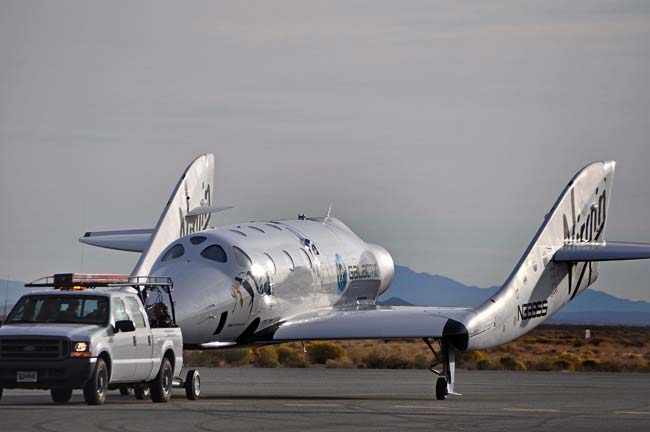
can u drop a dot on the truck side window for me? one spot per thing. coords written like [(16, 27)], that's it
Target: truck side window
[(119, 311), (134, 307)]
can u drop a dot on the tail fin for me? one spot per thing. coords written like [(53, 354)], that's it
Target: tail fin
[(539, 285), (182, 214)]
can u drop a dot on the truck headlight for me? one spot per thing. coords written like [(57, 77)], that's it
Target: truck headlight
[(80, 349)]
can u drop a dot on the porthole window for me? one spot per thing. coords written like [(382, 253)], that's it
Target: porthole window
[(291, 263), (214, 253), (270, 263), (307, 258), (198, 240), (241, 257), (176, 251)]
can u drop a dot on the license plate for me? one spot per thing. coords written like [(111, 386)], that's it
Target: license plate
[(26, 376)]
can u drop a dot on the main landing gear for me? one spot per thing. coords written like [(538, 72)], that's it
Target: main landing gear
[(443, 355)]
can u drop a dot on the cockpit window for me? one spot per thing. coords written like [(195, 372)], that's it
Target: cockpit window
[(214, 253), (176, 251), (241, 257), (197, 240), (291, 263)]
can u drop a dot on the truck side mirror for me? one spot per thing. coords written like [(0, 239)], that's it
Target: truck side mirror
[(124, 326)]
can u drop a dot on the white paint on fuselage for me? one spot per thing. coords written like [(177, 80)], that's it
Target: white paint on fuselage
[(204, 289)]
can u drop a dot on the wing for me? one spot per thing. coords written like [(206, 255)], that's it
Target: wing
[(374, 323), (606, 251), (124, 240)]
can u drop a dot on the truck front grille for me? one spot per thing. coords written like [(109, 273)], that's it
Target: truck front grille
[(27, 348)]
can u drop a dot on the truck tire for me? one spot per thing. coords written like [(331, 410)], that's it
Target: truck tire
[(142, 391), (161, 386), (193, 384), (95, 389), (124, 390), (61, 395)]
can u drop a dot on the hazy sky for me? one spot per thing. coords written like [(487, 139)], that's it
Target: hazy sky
[(442, 130)]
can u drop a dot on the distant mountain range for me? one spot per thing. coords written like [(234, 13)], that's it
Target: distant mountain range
[(589, 307), (424, 289)]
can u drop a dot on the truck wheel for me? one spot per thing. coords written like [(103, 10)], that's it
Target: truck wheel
[(161, 386), (95, 389), (193, 384), (125, 390), (142, 391), (61, 395)]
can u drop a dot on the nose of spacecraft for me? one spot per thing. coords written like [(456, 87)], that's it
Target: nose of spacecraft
[(386, 267), (198, 292)]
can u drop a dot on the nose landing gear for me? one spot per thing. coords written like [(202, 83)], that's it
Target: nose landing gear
[(443, 355)]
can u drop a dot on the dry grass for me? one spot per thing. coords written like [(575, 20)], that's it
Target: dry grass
[(547, 348)]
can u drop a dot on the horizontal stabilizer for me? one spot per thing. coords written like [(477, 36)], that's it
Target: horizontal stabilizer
[(125, 240), (201, 210), (605, 251)]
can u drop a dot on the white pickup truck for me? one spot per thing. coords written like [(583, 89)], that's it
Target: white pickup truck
[(119, 335)]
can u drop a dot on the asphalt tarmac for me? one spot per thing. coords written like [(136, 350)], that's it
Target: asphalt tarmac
[(251, 400)]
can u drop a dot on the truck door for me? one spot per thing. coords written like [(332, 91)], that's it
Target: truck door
[(142, 339), (122, 350)]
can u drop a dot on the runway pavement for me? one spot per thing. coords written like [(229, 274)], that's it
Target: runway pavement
[(349, 399)]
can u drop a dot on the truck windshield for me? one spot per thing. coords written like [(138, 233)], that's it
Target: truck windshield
[(60, 309)]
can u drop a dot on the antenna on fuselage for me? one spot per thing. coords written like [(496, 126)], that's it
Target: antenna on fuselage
[(329, 211)]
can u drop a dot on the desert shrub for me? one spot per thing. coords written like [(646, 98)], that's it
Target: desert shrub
[(632, 343), (203, 358), (340, 363), (320, 352), (610, 367), (561, 364), (238, 357), (290, 358), (572, 358), (484, 365), (266, 357), (590, 364), (510, 363), (421, 362), (543, 365), (474, 356), (374, 360)]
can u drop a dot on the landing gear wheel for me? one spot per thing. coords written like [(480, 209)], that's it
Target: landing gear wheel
[(95, 389), (193, 384), (125, 390), (161, 386), (441, 388), (142, 391), (61, 395)]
